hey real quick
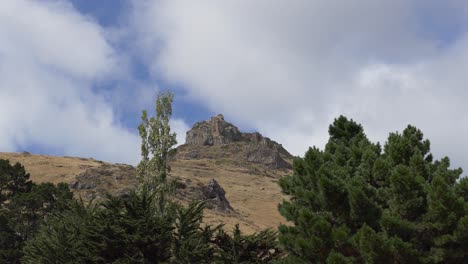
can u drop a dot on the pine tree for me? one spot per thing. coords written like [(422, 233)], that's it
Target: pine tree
[(13, 180), (260, 247), (355, 202), (126, 229), (192, 243), (24, 206)]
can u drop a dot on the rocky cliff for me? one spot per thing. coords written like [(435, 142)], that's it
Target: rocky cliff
[(211, 132), (217, 134)]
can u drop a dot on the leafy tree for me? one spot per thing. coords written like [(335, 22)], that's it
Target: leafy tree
[(354, 202), (157, 141)]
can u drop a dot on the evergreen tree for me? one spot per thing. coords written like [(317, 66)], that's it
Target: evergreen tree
[(132, 229), (355, 202), (24, 205), (192, 243), (126, 229), (238, 248), (13, 180)]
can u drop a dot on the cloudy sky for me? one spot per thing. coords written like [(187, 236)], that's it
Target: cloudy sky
[(74, 75)]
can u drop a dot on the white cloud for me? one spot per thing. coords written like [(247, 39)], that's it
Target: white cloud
[(50, 57), (289, 67), (180, 128)]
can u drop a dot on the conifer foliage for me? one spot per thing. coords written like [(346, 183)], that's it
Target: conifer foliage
[(133, 229), (128, 229), (354, 202), (23, 207)]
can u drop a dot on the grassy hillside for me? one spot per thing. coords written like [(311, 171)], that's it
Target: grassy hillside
[(251, 188)]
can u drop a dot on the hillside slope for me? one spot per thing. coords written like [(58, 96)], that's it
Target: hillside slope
[(247, 166)]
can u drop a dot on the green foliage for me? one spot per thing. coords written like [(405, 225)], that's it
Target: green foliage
[(127, 229), (133, 229), (23, 207), (192, 243), (239, 248), (13, 180), (157, 141), (10, 242), (355, 202)]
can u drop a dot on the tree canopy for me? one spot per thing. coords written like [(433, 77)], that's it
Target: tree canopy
[(157, 141), (356, 202), (23, 207)]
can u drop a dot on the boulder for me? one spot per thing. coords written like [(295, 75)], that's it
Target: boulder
[(215, 197)]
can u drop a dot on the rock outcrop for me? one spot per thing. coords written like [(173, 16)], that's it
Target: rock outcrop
[(213, 132), (95, 182), (212, 194), (254, 147), (215, 197), (270, 157)]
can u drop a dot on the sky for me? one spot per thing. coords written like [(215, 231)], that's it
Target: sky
[(75, 74)]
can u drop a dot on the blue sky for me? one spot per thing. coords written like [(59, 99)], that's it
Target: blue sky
[(113, 13), (75, 74)]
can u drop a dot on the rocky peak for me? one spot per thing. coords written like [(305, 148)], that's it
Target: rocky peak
[(215, 131), (256, 148)]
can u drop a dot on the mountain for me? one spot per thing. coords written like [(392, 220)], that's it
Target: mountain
[(235, 173)]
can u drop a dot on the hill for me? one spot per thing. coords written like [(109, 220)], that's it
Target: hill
[(236, 173)]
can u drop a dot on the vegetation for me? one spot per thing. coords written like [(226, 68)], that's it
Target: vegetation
[(355, 202), (157, 141), (145, 226), (23, 207), (134, 229)]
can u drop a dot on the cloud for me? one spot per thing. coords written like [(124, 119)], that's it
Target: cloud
[(180, 128), (288, 68), (51, 56)]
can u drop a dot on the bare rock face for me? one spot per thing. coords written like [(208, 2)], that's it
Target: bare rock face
[(266, 151), (255, 148), (96, 179), (270, 157), (212, 194), (215, 197), (213, 132)]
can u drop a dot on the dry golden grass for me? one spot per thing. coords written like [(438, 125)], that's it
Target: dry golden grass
[(254, 198), (251, 189), (43, 168)]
